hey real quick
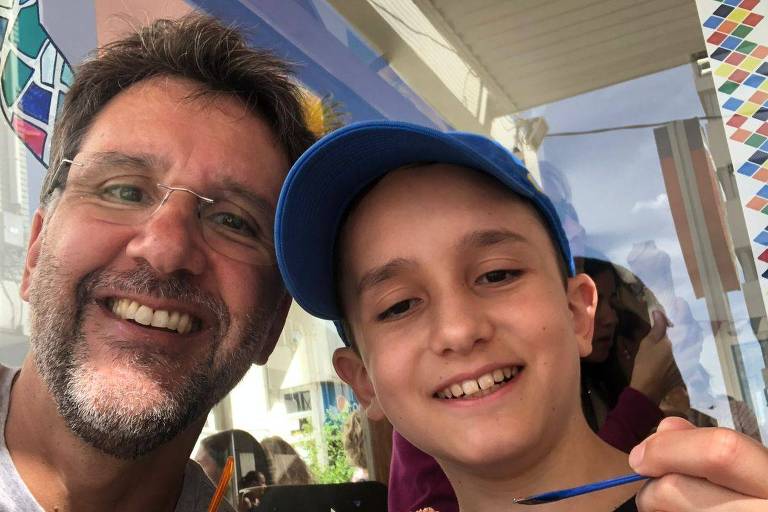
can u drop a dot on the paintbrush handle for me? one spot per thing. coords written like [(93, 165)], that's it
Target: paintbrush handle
[(562, 494), (226, 474)]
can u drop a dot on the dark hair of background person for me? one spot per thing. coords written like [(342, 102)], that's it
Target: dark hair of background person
[(354, 440), (196, 47), (288, 468), (219, 446), (607, 378)]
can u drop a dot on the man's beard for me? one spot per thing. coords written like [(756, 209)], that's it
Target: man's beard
[(120, 420)]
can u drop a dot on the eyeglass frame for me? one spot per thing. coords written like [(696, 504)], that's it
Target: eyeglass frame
[(56, 183)]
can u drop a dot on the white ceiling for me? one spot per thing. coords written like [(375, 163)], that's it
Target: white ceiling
[(524, 53)]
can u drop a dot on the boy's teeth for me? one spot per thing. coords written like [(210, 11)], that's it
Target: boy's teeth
[(481, 385), (470, 387), (486, 381), (173, 320)]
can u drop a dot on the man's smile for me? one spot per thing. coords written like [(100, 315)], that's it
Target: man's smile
[(129, 309)]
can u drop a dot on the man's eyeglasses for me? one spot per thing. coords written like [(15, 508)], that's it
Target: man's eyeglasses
[(128, 195)]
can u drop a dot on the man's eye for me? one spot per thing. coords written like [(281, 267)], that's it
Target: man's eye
[(498, 276), (397, 309), (124, 193), (234, 223)]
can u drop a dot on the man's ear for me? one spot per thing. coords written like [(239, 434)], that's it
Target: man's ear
[(33, 253), (582, 301), (351, 369), (275, 328)]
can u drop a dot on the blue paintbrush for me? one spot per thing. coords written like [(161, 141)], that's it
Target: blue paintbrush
[(549, 497)]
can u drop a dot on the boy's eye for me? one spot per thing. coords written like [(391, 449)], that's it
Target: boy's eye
[(397, 309), (497, 276)]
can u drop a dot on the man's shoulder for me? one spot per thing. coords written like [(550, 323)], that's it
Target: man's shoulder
[(14, 495), (6, 379), (6, 374), (197, 491)]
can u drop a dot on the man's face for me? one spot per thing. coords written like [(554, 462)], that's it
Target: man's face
[(126, 387), (452, 289)]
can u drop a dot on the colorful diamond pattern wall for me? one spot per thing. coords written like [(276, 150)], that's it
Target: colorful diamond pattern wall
[(740, 66), (34, 75)]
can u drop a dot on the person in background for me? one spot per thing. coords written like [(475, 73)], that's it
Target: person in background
[(288, 467), (354, 446), (150, 271), (631, 367), (214, 450), (253, 469)]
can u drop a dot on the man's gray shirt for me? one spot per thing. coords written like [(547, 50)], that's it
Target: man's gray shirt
[(15, 497)]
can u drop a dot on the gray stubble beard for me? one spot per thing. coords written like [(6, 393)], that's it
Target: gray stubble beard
[(104, 416)]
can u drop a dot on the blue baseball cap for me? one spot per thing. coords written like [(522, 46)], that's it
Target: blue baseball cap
[(324, 182)]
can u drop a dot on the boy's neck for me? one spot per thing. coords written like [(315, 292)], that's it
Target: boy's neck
[(581, 459)]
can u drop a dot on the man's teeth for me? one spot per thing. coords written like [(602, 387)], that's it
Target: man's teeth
[(131, 310), (481, 386)]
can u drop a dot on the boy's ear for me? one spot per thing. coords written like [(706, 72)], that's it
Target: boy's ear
[(351, 369), (33, 253), (582, 301)]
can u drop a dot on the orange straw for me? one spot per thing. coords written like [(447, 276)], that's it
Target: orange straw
[(226, 474)]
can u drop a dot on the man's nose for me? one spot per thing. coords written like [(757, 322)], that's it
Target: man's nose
[(171, 239), (460, 323)]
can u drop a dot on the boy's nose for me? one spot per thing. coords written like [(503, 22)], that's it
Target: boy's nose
[(459, 324), (171, 239)]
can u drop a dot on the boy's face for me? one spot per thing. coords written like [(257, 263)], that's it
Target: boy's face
[(450, 280)]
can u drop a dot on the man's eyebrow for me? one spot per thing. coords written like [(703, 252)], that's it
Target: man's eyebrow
[(143, 161), (488, 237), (254, 199), (381, 273)]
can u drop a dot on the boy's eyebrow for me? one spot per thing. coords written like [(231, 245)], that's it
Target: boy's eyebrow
[(381, 273), (488, 237)]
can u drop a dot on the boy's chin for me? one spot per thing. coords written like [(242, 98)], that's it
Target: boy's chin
[(488, 454)]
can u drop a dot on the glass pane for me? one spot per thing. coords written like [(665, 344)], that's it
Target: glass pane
[(656, 196)]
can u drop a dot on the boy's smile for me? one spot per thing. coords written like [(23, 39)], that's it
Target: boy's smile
[(455, 298), (468, 388)]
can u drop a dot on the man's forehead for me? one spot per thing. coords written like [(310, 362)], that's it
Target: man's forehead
[(182, 97), (158, 124)]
